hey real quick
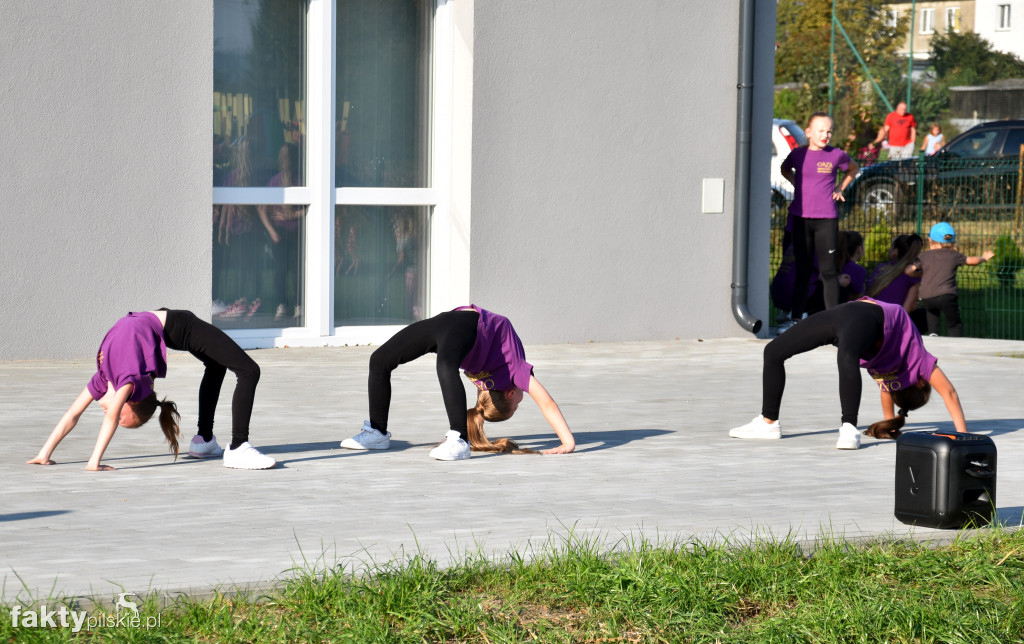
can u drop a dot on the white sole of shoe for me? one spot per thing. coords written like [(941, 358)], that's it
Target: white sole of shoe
[(348, 443), (448, 457), (769, 436), (253, 467), (219, 452)]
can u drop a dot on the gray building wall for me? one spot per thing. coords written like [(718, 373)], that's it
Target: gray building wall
[(594, 122), (105, 177)]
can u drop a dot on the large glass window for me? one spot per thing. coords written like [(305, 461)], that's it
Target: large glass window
[(382, 93), (380, 264), (277, 219)]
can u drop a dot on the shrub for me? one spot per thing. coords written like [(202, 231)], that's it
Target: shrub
[(1007, 263), (876, 244)]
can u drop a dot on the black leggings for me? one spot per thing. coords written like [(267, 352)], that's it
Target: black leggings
[(183, 331), (451, 336), (947, 305), (855, 328), (821, 235)]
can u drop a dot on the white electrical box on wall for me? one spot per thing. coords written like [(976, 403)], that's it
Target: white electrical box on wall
[(712, 200)]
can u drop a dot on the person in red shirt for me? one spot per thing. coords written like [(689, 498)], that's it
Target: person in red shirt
[(900, 129)]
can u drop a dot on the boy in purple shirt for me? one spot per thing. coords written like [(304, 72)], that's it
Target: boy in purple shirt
[(485, 345), (877, 336), (813, 170)]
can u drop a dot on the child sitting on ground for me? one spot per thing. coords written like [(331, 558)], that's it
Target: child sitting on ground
[(937, 269), (852, 276)]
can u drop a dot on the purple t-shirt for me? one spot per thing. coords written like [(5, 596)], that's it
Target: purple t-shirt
[(858, 275), (814, 174), (896, 291), (497, 360), (133, 352), (902, 359)]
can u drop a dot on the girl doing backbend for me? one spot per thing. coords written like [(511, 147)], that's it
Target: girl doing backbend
[(132, 354), (485, 345), (877, 336)]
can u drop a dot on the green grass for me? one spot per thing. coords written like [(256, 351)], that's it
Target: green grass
[(577, 590)]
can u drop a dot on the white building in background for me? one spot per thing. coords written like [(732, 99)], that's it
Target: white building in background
[(929, 18), (1001, 22), (569, 164)]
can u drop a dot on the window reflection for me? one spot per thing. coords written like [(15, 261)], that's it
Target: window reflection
[(259, 88), (258, 266), (380, 264), (382, 93)]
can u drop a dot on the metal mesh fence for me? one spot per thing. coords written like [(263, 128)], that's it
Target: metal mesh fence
[(983, 198)]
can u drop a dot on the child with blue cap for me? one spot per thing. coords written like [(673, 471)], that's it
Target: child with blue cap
[(937, 269)]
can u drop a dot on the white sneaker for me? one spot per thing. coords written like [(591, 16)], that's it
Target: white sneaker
[(452, 449), (369, 438), (758, 428), (849, 437), (199, 448), (247, 457)]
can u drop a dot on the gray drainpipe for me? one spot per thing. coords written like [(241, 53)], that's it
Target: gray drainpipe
[(741, 199)]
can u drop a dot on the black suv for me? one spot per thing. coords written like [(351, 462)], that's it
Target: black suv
[(976, 169)]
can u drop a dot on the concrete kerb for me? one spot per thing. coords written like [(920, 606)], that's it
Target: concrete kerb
[(650, 420)]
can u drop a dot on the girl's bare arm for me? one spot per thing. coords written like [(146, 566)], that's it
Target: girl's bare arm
[(553, 415), (63, 428)]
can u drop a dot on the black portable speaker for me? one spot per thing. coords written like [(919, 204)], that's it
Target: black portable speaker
[(945, 480)]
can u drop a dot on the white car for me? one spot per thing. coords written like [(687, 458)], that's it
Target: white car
[(786, 136)]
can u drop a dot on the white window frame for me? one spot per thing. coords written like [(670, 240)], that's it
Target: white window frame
[(953, 19), (449, 248), (892, 17), (1005, 17), (927, 23)]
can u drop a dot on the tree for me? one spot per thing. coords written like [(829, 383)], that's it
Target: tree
[(968, 59), (803, 35)]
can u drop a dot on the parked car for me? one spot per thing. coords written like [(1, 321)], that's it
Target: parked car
[(978, 167), (786, 136)]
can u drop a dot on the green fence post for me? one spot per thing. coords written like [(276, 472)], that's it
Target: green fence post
[(920, 190)]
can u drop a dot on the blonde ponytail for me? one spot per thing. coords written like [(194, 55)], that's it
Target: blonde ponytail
[(489, 408)]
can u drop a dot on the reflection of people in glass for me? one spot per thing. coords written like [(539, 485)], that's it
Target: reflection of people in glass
[(345, 228), (282, 224), (406, 261), (132, 354), (235, 253)]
